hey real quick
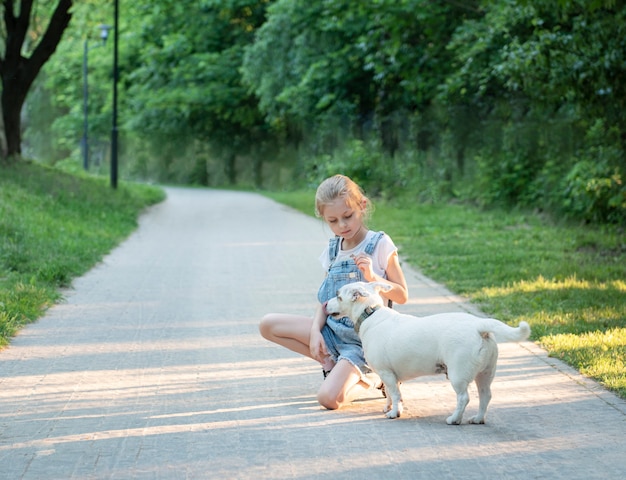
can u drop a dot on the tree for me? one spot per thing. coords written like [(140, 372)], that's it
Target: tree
[(21, 35), (185, 81), (347, 65)]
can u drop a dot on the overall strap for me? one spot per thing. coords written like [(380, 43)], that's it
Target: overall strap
[(371, 246), (333, 248), (369, 249)]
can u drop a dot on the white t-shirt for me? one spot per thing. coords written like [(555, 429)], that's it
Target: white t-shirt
[(380, 258)]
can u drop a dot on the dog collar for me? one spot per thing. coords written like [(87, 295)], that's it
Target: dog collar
[(364, 316)]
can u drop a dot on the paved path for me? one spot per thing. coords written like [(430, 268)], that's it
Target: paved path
[(153, 368)]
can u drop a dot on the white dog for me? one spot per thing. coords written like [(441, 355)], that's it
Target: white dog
[(400, 347)]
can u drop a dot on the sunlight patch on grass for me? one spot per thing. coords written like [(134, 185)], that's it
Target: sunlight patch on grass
[(544, 284), (558, 306), (598, 355)]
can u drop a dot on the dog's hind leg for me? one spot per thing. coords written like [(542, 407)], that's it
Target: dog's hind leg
[(483, 382), (484, 378), (462, 399)]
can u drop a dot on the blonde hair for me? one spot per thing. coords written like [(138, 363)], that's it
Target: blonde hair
[(341, 186)]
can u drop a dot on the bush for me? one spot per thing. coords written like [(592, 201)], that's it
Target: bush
[(363, 163), (594, 189), (503, 179), (595, 192)]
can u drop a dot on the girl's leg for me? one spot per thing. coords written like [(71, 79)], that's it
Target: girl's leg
[(341, 386), (290, 331)]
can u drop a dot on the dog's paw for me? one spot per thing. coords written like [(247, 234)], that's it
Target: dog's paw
[(477, 421), (393, 413), (453, 420)]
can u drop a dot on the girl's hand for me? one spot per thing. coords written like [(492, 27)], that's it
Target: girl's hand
[(317, 346), (364, 263)]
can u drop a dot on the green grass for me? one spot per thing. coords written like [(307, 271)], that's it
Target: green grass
[(567, 281), (54, 227)]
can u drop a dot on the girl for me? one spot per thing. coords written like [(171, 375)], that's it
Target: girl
[(355, 254)]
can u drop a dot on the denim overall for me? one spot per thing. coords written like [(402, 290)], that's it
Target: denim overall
[(341, 339)]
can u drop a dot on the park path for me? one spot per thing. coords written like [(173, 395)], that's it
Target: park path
[(153, 368)]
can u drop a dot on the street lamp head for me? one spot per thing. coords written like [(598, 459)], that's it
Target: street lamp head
[(104, 32)]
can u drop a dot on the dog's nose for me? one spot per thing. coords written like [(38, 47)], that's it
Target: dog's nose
[(324, 307)]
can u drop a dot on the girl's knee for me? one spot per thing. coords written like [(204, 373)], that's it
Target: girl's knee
[(265, 326), (328, 396), (327, 400)]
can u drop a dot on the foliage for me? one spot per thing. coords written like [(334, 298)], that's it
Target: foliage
[(595, 192), (53, 228), (356, 159), (508, 102), (185, 82), (567, 281), (322, 66), (553, 71)]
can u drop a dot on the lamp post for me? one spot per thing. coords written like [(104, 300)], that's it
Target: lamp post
[(104, 35), (115, 75)]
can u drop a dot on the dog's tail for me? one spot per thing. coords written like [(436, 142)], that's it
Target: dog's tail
[(503, 333)]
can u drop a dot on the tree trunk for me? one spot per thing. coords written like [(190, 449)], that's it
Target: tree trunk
[(231, 168), (17, 72), (13, 97)]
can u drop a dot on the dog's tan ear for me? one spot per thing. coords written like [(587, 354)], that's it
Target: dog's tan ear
[(359, 292)]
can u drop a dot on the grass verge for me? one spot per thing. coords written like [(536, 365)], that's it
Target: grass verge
[(55, 226), (568, 282)]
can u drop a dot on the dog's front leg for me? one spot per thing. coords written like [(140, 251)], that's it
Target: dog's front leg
[(388, 402), (393, 407)]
